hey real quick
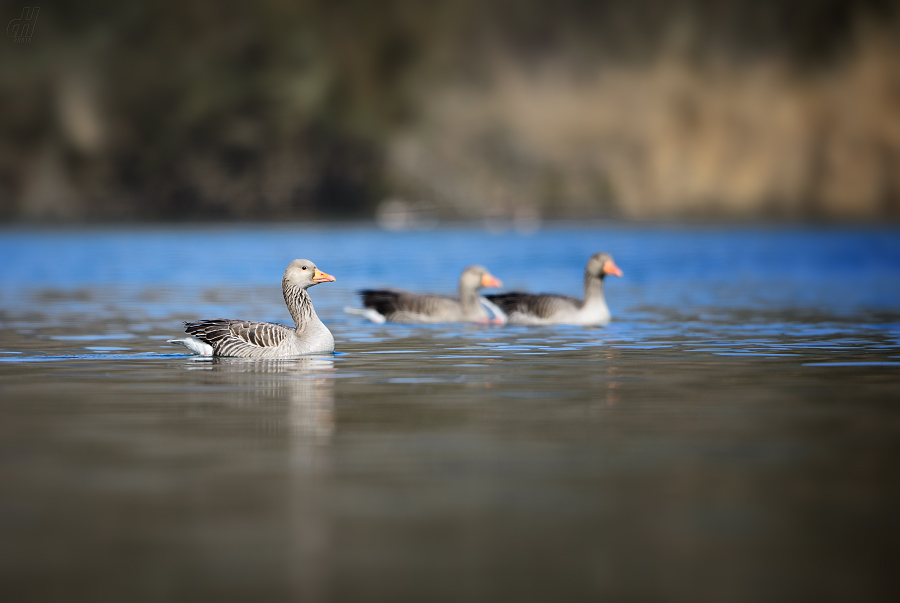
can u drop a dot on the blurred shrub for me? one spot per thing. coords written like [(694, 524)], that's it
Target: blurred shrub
[(318, 110)]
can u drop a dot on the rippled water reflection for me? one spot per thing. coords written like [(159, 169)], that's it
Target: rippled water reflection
[(732, 435)]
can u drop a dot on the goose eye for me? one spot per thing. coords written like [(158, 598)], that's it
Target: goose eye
[(304, 267)]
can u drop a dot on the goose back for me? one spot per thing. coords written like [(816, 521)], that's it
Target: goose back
[(405, 307), (530, 308)]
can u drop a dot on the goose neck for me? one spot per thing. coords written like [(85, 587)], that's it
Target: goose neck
[(468, 298), (593, 288), (299, 304)]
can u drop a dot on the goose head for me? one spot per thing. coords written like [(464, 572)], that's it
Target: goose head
[(602, 264), (304, 274), (476, 277)]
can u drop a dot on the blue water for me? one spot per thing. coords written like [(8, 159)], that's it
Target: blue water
[(835, 270), (733, 434)]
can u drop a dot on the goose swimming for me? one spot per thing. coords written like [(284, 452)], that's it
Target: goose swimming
[(250, 339), (396, 305), (552, 309)]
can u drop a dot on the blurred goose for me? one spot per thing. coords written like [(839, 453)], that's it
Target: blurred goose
[(551, 309), (394, 305), (250, 339)]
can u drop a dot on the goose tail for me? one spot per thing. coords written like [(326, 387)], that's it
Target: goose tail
[(195, 345)]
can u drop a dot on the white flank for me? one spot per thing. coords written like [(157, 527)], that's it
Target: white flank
[(367, 313), (497, 316)]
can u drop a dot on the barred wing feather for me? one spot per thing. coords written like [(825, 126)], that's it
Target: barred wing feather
[(240, 338)]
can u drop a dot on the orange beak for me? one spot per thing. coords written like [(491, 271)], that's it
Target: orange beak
[(610, 268), (321, 277), (489, 280)]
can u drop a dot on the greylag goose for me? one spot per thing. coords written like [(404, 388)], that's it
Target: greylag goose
[(395, 305), (249, 339), (551, 309)]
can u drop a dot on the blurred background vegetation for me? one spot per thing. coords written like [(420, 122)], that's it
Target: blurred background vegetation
[(452, 109)]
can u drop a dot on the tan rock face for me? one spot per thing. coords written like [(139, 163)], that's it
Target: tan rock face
[(665, 140)]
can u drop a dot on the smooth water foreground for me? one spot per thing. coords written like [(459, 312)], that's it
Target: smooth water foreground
[(733, 435)]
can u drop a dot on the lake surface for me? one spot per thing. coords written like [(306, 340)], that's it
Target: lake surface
[(732, 435)]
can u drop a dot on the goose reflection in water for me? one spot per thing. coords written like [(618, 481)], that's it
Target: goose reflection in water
[(306, 384)]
